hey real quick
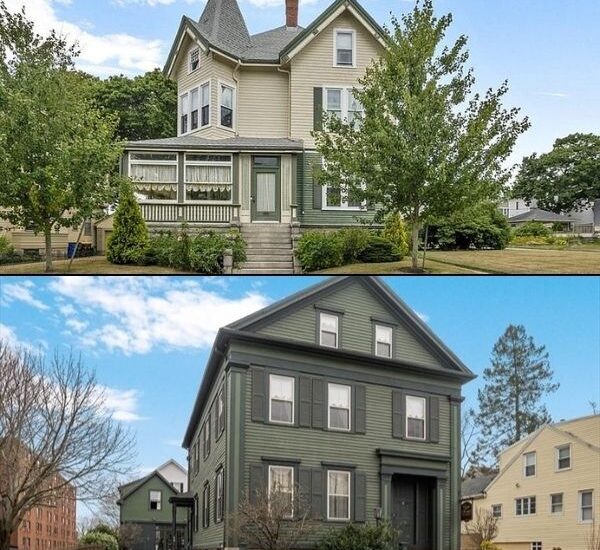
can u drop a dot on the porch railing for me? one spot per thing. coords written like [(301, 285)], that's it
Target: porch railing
[(190, 213)]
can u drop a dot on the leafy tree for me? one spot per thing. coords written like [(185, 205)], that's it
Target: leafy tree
[(146, 105), (100, 538), (56, 149), (510, 402), (426, 145), (567, 178), (129, 240)]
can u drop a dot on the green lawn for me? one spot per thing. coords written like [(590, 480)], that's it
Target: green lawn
[(403, 267), (94, 265)]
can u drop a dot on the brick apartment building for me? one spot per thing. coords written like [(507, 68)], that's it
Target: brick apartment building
[(49, 527)]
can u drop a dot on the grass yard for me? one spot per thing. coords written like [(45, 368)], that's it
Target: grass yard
[(400, 268), (523, 260), (93, 265)]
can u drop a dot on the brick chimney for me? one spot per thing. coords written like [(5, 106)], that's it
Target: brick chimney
[(291, 13)]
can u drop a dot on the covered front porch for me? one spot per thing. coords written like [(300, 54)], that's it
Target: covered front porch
[(214, 183)]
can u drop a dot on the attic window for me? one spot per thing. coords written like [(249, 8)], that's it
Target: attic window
[(194, 59), (155, 500), (344, 48)]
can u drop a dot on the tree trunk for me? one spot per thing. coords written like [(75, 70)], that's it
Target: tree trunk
[(48, 236), (4, 536), (425, 246), (415, 239), (76, 246)]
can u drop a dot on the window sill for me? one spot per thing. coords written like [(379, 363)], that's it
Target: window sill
[(336, 66), (344, 208), (225, 128)]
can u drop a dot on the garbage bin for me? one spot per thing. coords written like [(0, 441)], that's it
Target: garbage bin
[(71, 250)]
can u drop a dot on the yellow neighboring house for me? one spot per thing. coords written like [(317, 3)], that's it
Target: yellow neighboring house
[(547, 492)]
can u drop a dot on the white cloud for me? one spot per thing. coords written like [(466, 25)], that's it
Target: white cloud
[(553, 94), (76, 324), (137, 314), (121, 404), (20, 292), (101, 54)]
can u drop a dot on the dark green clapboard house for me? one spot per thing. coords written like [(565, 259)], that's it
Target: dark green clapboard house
[(339, 391)]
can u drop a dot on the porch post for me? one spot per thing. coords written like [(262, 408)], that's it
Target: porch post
[(174, 525), (386, 495), (439, 519), (180, 185)]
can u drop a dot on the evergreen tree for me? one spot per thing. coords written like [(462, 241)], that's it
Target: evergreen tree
[(129, 240), (510, 404)]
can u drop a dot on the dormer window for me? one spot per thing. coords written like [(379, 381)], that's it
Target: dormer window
[(329, 330), (194, 59), (344, 45)]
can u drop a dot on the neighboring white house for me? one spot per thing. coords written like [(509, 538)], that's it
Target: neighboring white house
[(175, 474)]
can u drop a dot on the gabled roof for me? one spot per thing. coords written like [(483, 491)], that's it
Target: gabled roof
[(128, 489), (175, 463), (475, 486), (244, 329), (539, 215)]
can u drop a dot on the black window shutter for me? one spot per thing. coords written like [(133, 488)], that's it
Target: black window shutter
[(257, 482), (304, 486), (259, 398), (360, 409), (434, 419), (316, 493), (318, 403), (318, 109), (397, 414), (360, 496), (305, 405)]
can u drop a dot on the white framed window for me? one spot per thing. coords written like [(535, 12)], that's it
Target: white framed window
[(586, 506), (208, 177), (184, 113), (219, 499), (155, 500), (525, 506), (529, 462), (281, 485), (227, 106), (206, 505), (339, 398), (563, 457), (221, 411), (536, 546), (383, 341), (154, 176), (338, 495), (328, 330), (556, 503), (340, 102), (281, 399), (497, 510), (194, 60), (344, 48), (416, 416), (194, 108), (205, 104)]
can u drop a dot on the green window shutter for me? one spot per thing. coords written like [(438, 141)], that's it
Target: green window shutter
[(316, 188), (304, 486), (257, 482), (317, 504), (305, 405), (360, 409), (360, 496), (434, 419), (318, 109), (318, 403), (398, 407), (259, 397)]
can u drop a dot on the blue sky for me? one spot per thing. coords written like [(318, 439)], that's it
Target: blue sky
[(148, 338), (547, 49)]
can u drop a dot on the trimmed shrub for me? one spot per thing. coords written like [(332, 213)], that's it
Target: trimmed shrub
[(354, 240), (379, 250), (129, 241), (532, 229), (538, 241), (8, 255), (320, 250), (359, 537), (396, 231), (108, 542)]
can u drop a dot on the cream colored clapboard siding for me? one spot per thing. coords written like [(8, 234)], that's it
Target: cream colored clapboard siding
[(263, 109), (553, 530), (313, 67)]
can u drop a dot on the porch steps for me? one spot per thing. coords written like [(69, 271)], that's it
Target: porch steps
[(268, 250)]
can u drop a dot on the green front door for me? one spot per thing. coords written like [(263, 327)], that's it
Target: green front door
[(266, 189)]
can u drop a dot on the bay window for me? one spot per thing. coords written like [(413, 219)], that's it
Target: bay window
[(184, 106), (281, 488), (194, 109), (208, 177), (338, 495), (226, 95), (415, 417), (205, 93), (154, 176)]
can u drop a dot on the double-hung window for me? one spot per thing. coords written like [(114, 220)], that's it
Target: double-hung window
[(194, 112), (281, 399), (194, 59), (206, 438), (383, 341), (194, 109), (338, 495), (155, 500), (497, 510), (206, 505), (227, 95), (220, 412), (219, 498), (586, 506), (281, 489), (415, 417), (525, 506), (529, 461), (184, 106), (154, 176), (208, 177), (563, 457), (341, 103), (556, 503), (339, 397), (205, 98), (328, 330), (344, 46)]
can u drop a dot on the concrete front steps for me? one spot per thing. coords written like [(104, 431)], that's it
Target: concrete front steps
[(268, 249)]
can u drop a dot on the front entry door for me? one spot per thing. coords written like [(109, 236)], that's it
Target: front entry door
[(412, 511), (266, 189)]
